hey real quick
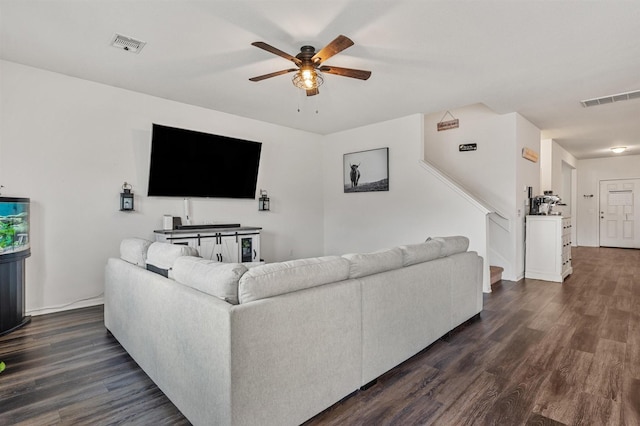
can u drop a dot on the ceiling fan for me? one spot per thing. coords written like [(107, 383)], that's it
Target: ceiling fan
[(309, 63)]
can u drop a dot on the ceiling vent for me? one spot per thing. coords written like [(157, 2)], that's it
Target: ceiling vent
[(127, 43), (610, 99)]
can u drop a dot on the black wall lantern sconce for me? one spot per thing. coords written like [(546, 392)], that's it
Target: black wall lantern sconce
[(263, 202), (126, 198)]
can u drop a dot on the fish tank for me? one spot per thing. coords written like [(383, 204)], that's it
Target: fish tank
[(14, 227)]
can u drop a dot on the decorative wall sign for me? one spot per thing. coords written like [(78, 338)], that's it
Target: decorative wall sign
[(529, 154), (468, 147), (447, 125), (366, 171)]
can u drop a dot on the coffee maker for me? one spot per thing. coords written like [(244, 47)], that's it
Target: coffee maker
[(543, 204)]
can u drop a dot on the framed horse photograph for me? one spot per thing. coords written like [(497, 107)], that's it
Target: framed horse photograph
[(366, 171)]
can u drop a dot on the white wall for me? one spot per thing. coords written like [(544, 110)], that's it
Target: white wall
[(555, 163), (488, 172), (546, 163), (527, 174), (69, 144), (495, 173), (558, 174), (566, 194), (418, 205), (590, 173)]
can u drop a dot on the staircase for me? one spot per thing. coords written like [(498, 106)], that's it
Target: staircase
[(496, 274)]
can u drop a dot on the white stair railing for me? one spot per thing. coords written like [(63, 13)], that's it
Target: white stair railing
[(482, 207)]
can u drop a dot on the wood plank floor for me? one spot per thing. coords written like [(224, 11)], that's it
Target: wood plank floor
[(541, 354)]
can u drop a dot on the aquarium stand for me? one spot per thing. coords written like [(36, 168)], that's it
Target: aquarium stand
[(12, 289)]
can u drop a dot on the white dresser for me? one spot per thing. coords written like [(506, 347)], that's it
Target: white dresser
[(548, 248)]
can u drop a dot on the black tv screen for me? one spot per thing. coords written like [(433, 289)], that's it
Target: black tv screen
[(186, 163)]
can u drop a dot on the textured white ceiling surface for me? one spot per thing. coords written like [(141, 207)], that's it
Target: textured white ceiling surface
[(537, 58)]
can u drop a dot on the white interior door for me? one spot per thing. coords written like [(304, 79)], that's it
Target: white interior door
[(620, 213)]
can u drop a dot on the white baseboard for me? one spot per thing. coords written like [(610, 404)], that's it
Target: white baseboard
[(67, 307)]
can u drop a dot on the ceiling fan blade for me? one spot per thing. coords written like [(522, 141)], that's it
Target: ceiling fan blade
[(273, 74), (312, 92), (271, 49), (346, 72), (336, 46)]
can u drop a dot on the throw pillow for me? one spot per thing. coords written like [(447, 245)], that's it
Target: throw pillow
[(163, 255), (273, 279), (214, 278), (363, 264), (134, 250), (423, 252), (452, 245)]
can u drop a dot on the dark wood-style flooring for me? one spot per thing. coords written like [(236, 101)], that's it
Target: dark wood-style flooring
[(541, 354)]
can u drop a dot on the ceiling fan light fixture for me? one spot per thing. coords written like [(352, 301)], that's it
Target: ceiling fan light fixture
[(618, 149), (307, 79), (309, 62)]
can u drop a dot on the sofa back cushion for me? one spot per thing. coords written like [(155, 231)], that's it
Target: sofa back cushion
[(423, 252), (162, 256), (273, 279), (134, 250), (214, 278), (363, 264), (452, 245)]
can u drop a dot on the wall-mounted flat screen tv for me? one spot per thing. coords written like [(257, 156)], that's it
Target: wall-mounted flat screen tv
[(186, 163), (14, 226)]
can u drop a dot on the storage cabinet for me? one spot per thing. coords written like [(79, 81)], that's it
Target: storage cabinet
[(548, 248), (229, 245), (12, 291)]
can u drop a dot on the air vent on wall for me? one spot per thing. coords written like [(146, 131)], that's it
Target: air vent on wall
[(611, 98), (127, 43)]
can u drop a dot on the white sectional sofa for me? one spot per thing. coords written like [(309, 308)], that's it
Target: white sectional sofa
[(278, 343)]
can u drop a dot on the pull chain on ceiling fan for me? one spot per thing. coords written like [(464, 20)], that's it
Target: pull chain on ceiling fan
[(309, 62)]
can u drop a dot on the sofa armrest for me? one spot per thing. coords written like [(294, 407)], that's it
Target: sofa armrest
[(178, 335), (466, 286)]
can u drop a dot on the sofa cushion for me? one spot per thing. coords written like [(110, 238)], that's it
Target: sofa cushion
[(452, 245), (163, 255), (363, 264), (423, 252), (214, 278), (273, 279), (134, 250)]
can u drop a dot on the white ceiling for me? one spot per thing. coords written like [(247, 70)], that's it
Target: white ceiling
[(538, 58)]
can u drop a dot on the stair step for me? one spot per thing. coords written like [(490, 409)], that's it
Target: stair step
[(496, 273)]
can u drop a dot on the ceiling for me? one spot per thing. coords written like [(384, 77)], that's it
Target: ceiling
[(537, 58)]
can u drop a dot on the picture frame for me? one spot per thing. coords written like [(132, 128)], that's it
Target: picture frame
[(366, 171)]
